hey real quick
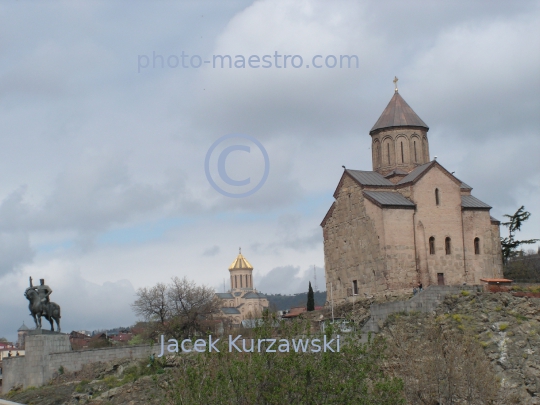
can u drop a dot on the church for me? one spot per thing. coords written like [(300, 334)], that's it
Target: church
[(242, 302), (407, 221)]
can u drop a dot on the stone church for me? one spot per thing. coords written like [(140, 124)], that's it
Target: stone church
[(407, 221), (242, 302)]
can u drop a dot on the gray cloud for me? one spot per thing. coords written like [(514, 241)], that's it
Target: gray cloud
[(289, 280), (91, 148), (211, 251)]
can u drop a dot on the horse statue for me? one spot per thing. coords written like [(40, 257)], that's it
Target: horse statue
[(41, 307)]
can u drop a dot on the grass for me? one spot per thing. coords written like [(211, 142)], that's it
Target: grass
[(503, 326), (465, 293), (81, 387)]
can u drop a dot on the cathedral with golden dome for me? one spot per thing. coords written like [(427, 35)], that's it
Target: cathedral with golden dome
[(242, 302)]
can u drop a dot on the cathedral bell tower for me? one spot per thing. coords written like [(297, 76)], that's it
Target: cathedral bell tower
[(241, 274), (398, 139)]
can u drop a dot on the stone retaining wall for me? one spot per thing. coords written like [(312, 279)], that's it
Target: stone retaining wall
[(425, 301), (46, 354)]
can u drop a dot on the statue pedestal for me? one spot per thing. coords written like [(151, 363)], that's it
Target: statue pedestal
[(45, 332), (34, 368)]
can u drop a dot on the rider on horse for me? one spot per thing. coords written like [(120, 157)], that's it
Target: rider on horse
[(43, 291)]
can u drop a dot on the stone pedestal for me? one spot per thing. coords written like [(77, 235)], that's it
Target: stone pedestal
[(34, 369)]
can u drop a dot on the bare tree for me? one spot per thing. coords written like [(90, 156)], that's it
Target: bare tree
[(439, 364), (178, 308), (191, 304), (152, 303)]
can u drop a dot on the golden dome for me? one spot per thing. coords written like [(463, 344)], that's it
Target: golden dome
[(240, 263)]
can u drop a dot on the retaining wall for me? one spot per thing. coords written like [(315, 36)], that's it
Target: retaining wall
[(47, 353), (425, 301)]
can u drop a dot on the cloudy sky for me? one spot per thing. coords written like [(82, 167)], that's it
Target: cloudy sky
[(105, 129)]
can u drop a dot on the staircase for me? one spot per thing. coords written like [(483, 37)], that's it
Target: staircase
[(425, 301)]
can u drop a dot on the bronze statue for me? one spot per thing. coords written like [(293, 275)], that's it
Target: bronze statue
[(40, 305)]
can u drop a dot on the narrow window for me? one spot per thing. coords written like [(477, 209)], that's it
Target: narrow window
[(388, 152), (476, 246), (235, 282), (432, 245), (355, 287), (448, 246), (437, 196), (415, 158), (402, 160)]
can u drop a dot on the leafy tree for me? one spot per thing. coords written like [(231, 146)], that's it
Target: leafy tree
[(310, 299), (509, 244)]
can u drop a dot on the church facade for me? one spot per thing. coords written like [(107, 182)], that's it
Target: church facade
[(242, 302), (407, 221)]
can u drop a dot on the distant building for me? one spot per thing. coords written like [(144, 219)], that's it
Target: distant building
[(242, 301), (22, 332)]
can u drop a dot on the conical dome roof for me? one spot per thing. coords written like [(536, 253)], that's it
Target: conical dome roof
[(240, 263), (398, 114), (23, 328)]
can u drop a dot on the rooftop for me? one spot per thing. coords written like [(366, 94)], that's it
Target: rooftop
[(389, 199), (398, 114), (470, 202), (240, 263)]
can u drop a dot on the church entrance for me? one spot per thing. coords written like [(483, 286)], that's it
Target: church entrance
[(440, 278)]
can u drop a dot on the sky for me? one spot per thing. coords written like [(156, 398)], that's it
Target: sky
[(109, 111)]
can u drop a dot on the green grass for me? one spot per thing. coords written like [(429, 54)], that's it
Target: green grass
[(503, 326)]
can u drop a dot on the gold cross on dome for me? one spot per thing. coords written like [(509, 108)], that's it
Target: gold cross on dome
[(395, 82)]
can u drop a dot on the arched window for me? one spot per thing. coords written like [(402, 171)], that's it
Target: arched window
[(448, 245), (432, 245), (235, 282), (476, 246), (437, 200), (388, 152), (377, 156), (402, 158), (415, 158)]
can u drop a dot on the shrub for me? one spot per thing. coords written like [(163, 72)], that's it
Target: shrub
[(354, 375), (465, 293), (503, 326)]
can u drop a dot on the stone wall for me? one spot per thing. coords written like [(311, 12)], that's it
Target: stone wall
[(46, 354), (352, 245)]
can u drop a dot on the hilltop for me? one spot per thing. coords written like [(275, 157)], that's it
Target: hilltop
[(475, 347)]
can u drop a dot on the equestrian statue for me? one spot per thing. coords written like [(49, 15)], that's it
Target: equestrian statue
[(40, 304)]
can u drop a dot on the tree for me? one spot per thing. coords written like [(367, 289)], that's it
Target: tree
[(190, 304), (310, 299), (178, 308), (152, 303), (509, 245)]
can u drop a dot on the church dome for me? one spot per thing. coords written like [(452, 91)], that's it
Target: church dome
[(398, 114), (240, 263), (23, 328)]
